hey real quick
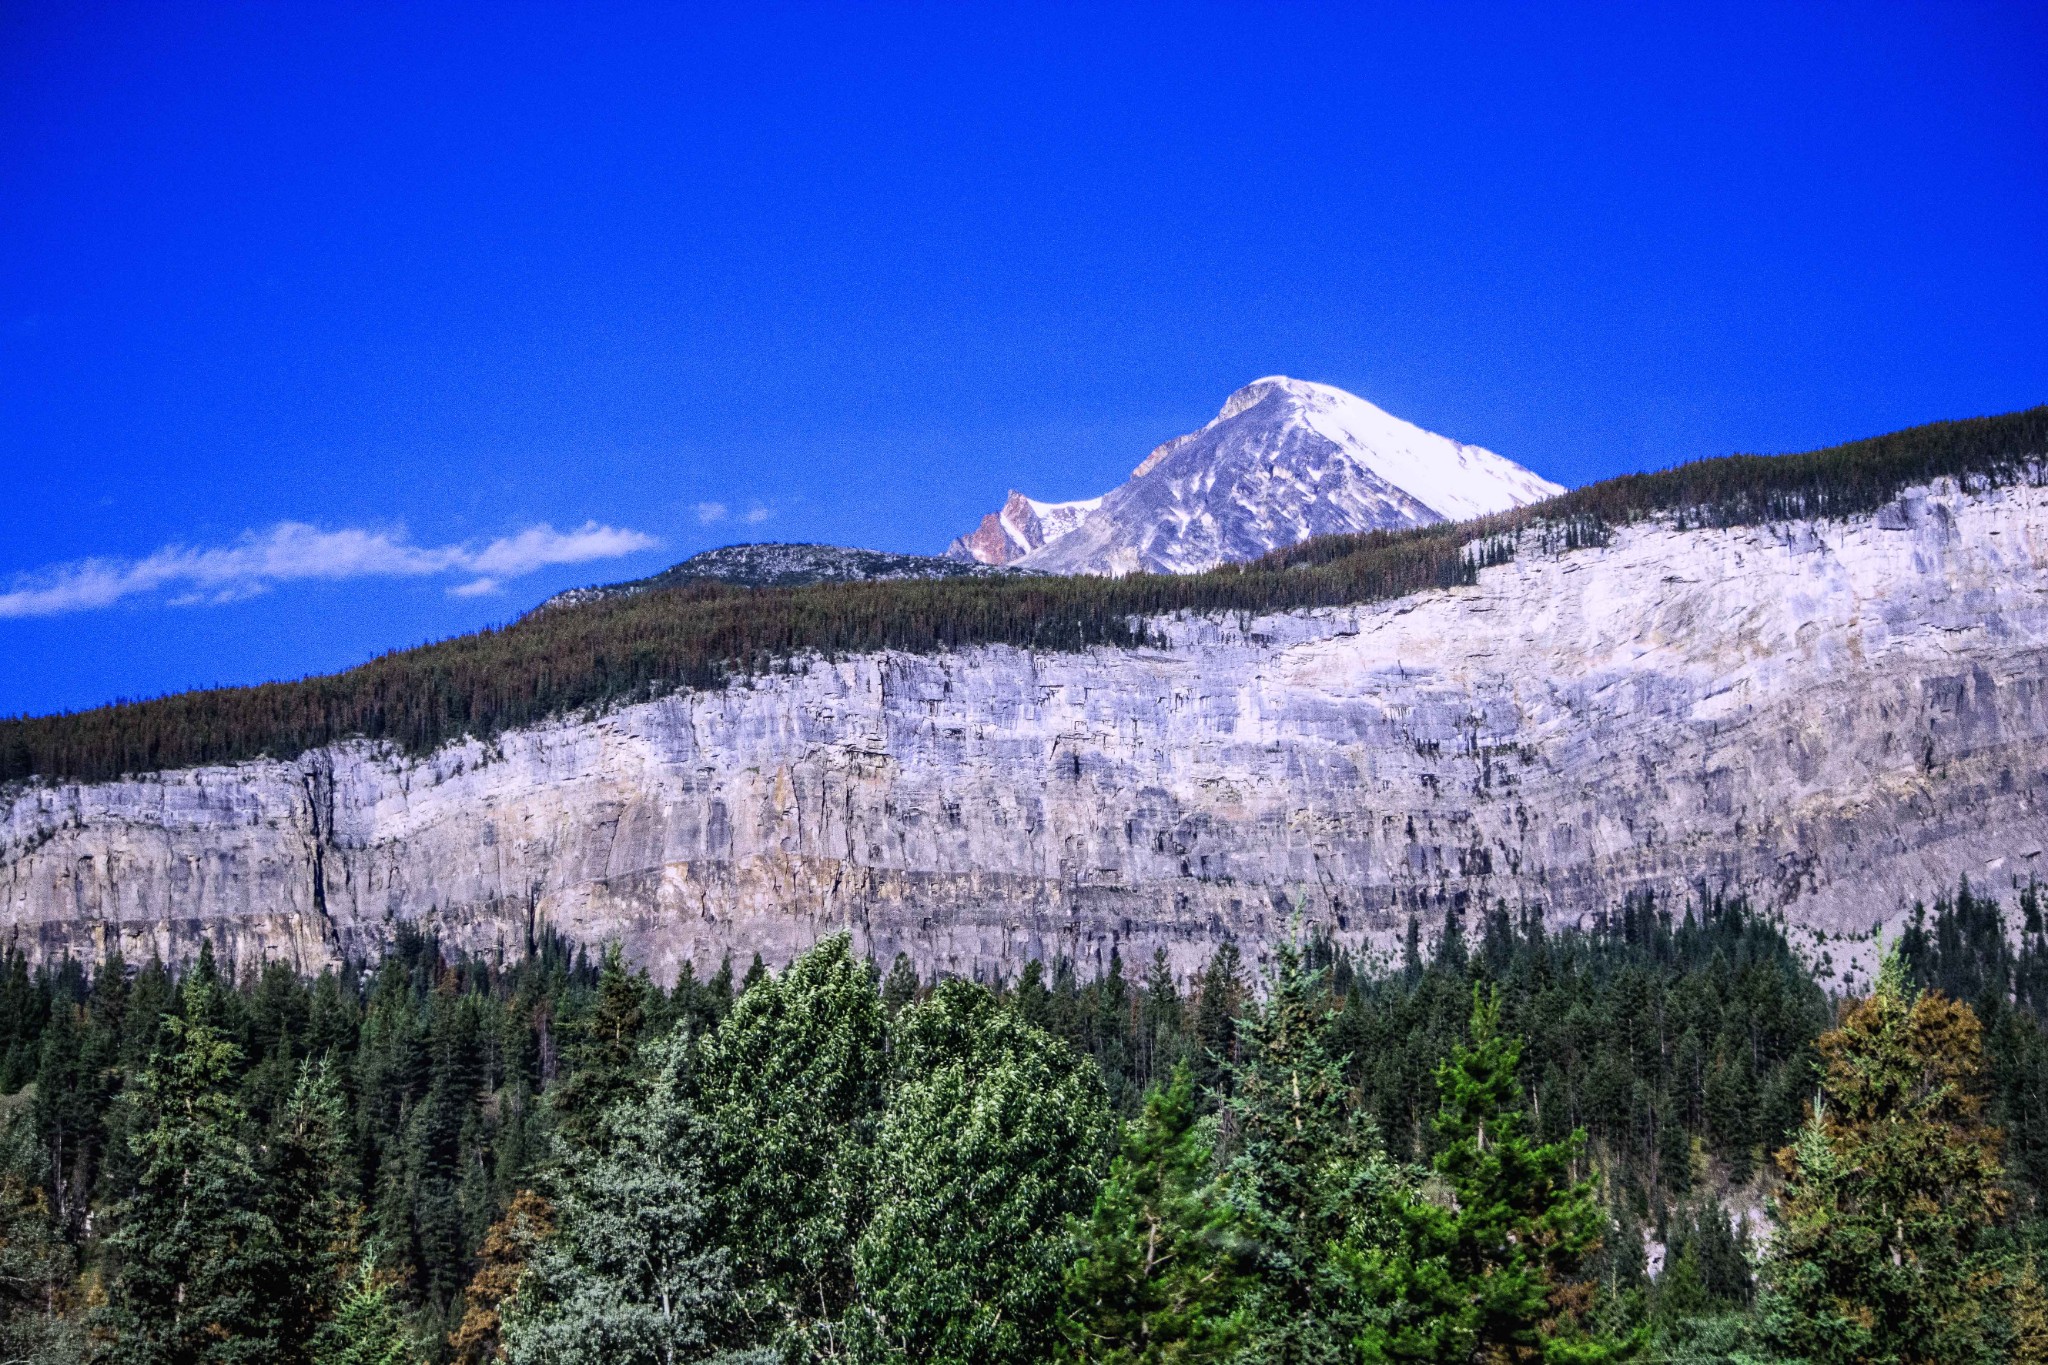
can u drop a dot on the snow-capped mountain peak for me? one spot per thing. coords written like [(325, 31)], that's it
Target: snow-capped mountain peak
[(1285, 459), (1454, 480)]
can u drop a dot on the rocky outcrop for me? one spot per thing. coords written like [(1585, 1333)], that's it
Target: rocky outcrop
[(778, 564), (1833, 718), (1023, 525)]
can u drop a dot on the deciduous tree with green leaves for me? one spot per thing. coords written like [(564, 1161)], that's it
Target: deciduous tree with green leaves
[(791, 1085), (992, 1138)]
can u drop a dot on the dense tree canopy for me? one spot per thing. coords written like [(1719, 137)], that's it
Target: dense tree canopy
[(1308, 1158)]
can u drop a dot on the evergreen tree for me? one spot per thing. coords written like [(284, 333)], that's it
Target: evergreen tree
[(1160, 1042), (309, 1199), (629, 1277), (193, 1247), (1216, 1009), (36, 1272), (609, 1048), (1155, 1281), (1306, 1179), (1889, 1189), (367, 1327), (901, 987), (990, 1140), (1485, 1272)]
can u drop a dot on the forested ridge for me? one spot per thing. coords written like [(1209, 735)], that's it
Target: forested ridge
[(1657, 1139), (700, 634)]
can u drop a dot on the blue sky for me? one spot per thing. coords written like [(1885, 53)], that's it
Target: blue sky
[(328, 330)]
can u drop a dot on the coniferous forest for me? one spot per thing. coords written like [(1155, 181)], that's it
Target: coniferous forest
[(1659, 1139), (698, 634)]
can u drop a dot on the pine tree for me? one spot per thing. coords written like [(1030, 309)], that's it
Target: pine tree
[(1155, 1280), (1888, 1191), (629, 1277), (1485, 1272), (192, 1247), (1307, 1178)]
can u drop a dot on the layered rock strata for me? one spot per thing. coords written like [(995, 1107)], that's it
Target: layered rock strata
[(1832, 718)]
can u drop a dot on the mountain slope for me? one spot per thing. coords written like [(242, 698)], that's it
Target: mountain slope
[(704, 634), (1831, 715), (774, 564), (1283, 462)]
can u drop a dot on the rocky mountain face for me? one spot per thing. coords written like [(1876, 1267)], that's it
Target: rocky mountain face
[(778, 565), (1023, 525), (1832, 718), (1285, 460)]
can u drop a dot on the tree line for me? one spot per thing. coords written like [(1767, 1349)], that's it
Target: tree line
[(1655, 1138), (698, 635)]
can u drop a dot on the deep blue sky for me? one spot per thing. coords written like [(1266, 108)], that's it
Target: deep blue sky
[(441, 274)]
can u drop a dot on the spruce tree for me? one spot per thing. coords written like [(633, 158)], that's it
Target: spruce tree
[(309, 1198), (1156, 1280), (36, 1277), (900, 988), (368, 1327), (1484, 1272), (608, 1048), (1307, 1179), (1216, 1009), (192, 1247)]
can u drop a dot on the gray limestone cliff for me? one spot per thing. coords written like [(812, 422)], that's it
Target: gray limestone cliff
[(1833, 718)]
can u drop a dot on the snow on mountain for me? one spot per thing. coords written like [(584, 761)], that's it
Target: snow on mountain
[(1023, 525), (1283, 461)]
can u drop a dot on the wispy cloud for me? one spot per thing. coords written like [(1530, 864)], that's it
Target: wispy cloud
[(711, 512), (758, 514), (292, 551)]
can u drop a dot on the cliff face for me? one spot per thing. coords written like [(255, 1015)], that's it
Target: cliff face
[(1833, 718)]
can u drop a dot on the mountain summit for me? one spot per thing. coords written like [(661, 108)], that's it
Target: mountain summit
[(1283, 461)]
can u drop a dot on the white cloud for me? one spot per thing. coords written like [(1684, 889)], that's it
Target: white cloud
[(758, 514), (708, 512), (292, 551)]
